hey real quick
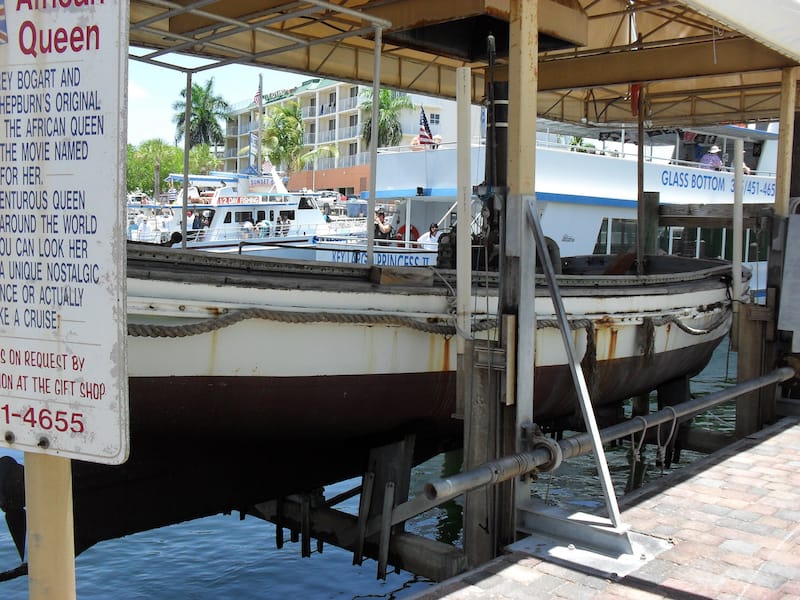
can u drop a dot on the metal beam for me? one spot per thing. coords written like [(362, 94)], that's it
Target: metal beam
[(733, 56)]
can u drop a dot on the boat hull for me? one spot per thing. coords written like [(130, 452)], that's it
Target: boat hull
[(251, 380)]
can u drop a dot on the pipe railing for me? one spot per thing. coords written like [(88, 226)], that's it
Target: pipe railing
[(544, 454), (526, 462)]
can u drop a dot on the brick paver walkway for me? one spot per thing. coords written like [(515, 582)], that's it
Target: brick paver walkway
[(733, 519)]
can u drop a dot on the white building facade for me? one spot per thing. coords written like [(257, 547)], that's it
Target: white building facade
[(332, 116)]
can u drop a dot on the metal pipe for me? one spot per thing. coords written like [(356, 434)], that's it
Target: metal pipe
[(573, 361), (373, 143), (525, 462), (187, 145), (738, 210)]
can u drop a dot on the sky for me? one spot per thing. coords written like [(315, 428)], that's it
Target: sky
[(153, 90)]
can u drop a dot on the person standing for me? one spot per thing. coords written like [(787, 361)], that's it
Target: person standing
[(383, 230), (711, 159), (430, 239)]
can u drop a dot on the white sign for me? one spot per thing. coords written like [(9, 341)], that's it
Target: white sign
[(63, 381)]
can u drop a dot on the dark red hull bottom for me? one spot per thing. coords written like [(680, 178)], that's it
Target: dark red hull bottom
[(202, 446)]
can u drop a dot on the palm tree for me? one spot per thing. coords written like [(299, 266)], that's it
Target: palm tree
[(202, 161), (283, 139), (208, 110), (283, 135), (390, 103)]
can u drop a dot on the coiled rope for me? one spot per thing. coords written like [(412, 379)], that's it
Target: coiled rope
[(216, 323), (437, 328)]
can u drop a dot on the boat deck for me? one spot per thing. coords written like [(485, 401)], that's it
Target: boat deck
[(732, 518)]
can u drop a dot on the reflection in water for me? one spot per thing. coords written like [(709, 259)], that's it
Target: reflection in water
[(576, 483)]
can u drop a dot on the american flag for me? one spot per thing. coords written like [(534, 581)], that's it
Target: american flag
[(3, 27), (425, 136), (257, 98)]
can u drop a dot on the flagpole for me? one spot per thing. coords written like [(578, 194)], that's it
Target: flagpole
[(260, 122)]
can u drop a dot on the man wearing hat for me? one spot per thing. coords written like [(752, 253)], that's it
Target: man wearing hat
[(711, 160)]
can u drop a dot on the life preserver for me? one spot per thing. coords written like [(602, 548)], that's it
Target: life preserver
[(401, 233)]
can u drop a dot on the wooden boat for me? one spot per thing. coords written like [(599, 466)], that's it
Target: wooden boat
[(252, 379)]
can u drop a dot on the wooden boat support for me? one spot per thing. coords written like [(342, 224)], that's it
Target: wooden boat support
[(372, 532)]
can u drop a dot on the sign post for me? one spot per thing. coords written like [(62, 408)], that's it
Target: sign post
[(63, 380)]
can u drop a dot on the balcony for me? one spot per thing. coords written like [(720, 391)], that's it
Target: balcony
[(308, 112), (326, 136), (348, 103), (352, 160), (349, 132), (310, 138), (326, 163)]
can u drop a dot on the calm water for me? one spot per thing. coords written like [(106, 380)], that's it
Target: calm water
[(222, 557)]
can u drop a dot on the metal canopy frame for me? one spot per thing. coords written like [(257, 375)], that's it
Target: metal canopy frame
[(696, 70)]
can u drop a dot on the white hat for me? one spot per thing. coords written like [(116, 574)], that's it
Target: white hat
[(714, 149)]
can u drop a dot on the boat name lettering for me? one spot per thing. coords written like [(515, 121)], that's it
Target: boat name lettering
[(384, 259), (696, 181), (715, 182), (237, 200)]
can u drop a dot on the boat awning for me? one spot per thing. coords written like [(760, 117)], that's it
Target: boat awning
[(655, 137), (204, 180), (774, 23)]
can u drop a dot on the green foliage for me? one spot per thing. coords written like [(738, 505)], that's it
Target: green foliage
[(283, 135), (142, 161), (390, 104), (208, 111), (202, 161)]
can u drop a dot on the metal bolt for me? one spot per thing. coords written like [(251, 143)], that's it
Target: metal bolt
[(10, 437), (571, 547), (43, 443)]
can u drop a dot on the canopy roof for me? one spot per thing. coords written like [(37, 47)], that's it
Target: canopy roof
[(699, 61)]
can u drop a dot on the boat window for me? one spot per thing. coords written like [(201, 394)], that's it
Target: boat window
[(228, 218), (260, 215), (623, 235), (242, 216), (289, 214), (305, 204), (622, 238), (602, 238), (670, 240), (272, 216)]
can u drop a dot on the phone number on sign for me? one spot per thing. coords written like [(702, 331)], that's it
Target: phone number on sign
[(44, 418)]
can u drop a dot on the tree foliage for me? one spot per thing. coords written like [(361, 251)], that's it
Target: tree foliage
[(283, 135), (390, 105), (283, 139), (142, 161), (202, 160), (208, 111)]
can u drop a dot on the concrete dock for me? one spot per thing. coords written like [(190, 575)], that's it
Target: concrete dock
[(732, 519)]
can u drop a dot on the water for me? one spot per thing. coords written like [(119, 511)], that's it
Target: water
[(222, 557)]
